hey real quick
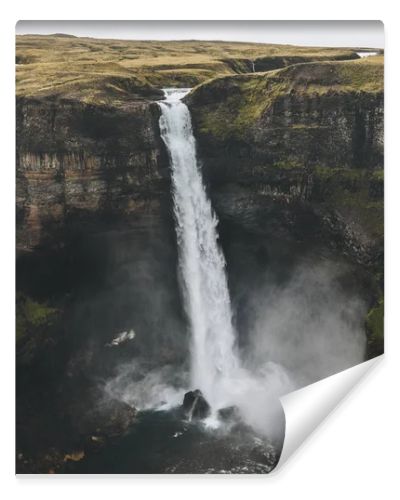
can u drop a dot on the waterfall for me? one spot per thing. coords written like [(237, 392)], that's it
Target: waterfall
[(215, 366), (201, 261)]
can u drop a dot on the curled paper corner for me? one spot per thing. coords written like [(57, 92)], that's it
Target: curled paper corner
[(306, 408)]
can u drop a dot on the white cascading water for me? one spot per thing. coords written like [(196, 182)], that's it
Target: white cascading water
[(215, 366), (201, 262)]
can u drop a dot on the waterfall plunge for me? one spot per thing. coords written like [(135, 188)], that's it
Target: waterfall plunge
[(215, 366), (201, 262)]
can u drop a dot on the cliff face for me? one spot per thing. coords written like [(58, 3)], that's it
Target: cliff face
[(299, 149), (96, 257), (290, 156), (81, 164), (295, 156)]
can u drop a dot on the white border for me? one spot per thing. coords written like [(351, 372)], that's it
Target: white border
[(354, 454), (306, 408)]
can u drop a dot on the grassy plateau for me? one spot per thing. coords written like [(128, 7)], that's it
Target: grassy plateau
[(103, 71)]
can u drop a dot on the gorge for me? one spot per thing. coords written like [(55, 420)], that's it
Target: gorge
[(288, 160)]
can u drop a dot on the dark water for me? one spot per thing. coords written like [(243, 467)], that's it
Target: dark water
[(162, 442)]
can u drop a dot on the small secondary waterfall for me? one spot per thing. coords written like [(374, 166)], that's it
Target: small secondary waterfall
[(201, 262)]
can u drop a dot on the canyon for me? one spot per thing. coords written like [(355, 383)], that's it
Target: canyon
[(292, 160)]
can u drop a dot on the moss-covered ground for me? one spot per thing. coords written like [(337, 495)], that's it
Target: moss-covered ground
[(234, 104), (36, 323), (100, 70), (375, 328)]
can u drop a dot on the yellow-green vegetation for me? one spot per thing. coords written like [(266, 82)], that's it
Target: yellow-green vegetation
[(105, 71), (379, 175), (375, 328), (32, 316), (360, 75), (289, 164), (241, 100)]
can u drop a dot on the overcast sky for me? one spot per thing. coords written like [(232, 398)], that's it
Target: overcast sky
[(317, 33)]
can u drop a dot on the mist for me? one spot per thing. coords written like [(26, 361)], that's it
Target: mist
[(300, 331), (311, 325)]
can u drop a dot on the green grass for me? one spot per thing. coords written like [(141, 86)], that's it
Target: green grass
[(87, 69), (375, 328), (361, 75), (32, 315), (230, 106)]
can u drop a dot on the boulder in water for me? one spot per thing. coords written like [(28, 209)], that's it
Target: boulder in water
[(195, 405)]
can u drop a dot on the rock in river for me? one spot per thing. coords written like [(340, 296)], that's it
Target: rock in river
[(195, 405)]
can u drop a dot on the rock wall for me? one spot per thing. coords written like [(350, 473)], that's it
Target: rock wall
[(80, 166), (287, 158), (290, 157)]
